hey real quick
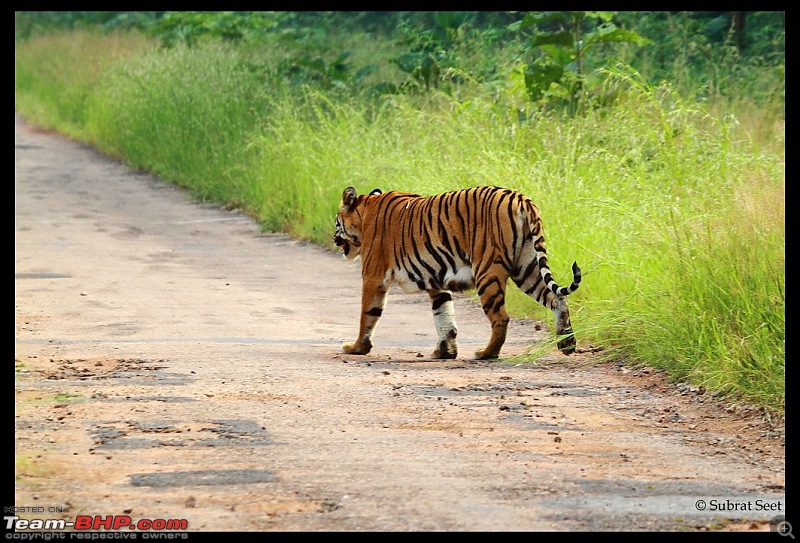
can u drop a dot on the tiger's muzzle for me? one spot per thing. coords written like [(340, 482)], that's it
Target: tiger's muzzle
[(345, 244)]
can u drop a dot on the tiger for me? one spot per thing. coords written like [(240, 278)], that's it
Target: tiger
[(476, 237)]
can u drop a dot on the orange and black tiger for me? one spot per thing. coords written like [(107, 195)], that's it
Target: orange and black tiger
[(476, 237)]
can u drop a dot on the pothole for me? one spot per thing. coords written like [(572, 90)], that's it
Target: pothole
[(208, 477)]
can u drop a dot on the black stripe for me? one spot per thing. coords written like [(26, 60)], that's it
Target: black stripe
[(500, 303), (484, 286), (535, 284), (441, 299), (443, 266), (529, 270), (491, 302), (431, 271)]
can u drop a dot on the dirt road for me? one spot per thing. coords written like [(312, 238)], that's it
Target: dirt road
[(173, 362)]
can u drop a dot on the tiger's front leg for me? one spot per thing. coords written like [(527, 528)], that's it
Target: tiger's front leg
[(444, 318), (373, 299)]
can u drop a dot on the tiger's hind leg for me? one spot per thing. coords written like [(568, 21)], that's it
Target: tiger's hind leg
[(491, 287), (567, 343), (529, 280), (373, 300), (445, 321)]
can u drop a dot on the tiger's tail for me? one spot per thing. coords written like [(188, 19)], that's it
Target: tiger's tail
[(536, 231)]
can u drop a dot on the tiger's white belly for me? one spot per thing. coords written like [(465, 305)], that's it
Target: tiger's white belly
[(462, 276)]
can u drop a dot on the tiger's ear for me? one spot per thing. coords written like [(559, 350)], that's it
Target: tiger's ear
[(348, 199), (375, 191)]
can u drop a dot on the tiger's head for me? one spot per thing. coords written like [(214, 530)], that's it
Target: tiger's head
[(348, 234)]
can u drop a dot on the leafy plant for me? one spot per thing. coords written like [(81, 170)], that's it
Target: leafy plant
[(190, 26), (431, 51), (336, 73), (563, 39), (32, 23)]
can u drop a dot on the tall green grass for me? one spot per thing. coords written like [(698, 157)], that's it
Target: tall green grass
[(183, 114), (722, 313), (55, 75), (672, 205)]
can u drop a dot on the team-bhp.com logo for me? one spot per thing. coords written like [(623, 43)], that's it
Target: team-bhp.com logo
[(95, 522)]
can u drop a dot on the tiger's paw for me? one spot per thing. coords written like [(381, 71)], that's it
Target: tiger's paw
[(485, 354), (357, 348), (568, 345), (445, 351)]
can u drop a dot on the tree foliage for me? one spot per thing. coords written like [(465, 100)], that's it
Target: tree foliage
[(556, 56)]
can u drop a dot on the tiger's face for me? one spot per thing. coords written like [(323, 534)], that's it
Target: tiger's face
[(347, 234)]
